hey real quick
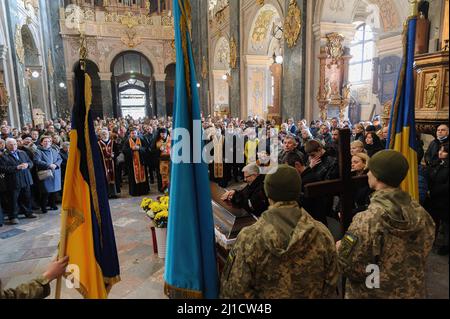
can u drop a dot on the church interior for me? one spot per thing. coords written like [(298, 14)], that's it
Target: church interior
[(275, 60)]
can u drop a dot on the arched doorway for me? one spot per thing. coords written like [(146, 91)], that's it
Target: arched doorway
[(170, 87), (97, 102), (133, 87)]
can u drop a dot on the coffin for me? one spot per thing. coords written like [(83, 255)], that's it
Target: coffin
[(228, 222)]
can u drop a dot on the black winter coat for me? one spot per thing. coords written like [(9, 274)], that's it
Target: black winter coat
[(253, 193), (437, 203)]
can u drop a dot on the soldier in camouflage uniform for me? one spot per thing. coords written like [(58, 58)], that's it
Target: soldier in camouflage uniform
[(394, 234), (38, 288), (286, 254)]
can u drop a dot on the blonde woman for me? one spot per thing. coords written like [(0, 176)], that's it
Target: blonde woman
[(362, 194), (359, 164), (357, 147)]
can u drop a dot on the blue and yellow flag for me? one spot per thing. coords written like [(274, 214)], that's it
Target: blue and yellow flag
[(402, 127), (87, 234), (191, 269)]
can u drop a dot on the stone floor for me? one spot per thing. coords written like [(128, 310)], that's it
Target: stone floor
[(26, 250)]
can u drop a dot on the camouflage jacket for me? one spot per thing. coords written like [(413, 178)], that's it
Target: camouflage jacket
[(396, 235), (36, 289), (286, 254)]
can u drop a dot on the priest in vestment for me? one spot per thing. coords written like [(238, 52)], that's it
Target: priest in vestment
[(163, 145), (109, 151), (134, 152)]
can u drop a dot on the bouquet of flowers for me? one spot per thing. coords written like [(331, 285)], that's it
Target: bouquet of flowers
[(157, 210)]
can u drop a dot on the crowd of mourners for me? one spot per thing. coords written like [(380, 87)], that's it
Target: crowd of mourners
[(33, 162)]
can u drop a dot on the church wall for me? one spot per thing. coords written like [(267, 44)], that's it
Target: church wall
[(111, 33), (25, 25), (219, 59), (54, 52), (200, 47), (6, 65), (256, 58), (387, 21)]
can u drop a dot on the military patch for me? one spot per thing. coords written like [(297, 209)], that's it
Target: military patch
[(229, 264), (347, 244)]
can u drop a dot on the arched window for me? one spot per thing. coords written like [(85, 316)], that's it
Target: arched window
[(362, 50)]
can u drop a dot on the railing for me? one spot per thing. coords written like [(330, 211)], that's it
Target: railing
[(143, 6)]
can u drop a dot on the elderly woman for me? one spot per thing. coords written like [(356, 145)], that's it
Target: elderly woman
[(252, 198), (48, 164)]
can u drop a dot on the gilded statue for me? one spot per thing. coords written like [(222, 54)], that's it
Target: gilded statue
[(292, 24), (4, 99), (346, 91), (431, 93)]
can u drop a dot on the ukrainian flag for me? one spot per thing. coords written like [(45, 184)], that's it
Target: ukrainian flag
[(402, 128), (191, 269), (87, 234)]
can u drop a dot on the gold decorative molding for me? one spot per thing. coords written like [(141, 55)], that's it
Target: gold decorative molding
[(292, 24), (335, 49), (4, 97), (431, 92), (131, 39), (233, 53), (260, 2), (130, 20), (262, 26), (18, 42), (134, 20)]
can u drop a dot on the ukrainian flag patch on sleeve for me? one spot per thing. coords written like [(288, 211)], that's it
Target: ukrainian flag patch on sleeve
[(348, 243)]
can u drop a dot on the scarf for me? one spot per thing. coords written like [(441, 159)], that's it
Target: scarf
[(107, 151), (139, 169), (218, 155)]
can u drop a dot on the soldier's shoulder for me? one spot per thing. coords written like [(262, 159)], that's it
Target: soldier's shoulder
[(371, 216)]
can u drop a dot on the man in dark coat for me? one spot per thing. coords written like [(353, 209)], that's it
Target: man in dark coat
[(16, 166), (252, 198), (325, 166), (437, 202), (149, 140), (3, 196), (312, 205), (432, 154)]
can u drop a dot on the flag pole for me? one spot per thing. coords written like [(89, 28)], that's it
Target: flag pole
[(63, 233), (62, 250)]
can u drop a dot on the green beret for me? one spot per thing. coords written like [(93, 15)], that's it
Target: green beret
[(284, 185), (389, 167)]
